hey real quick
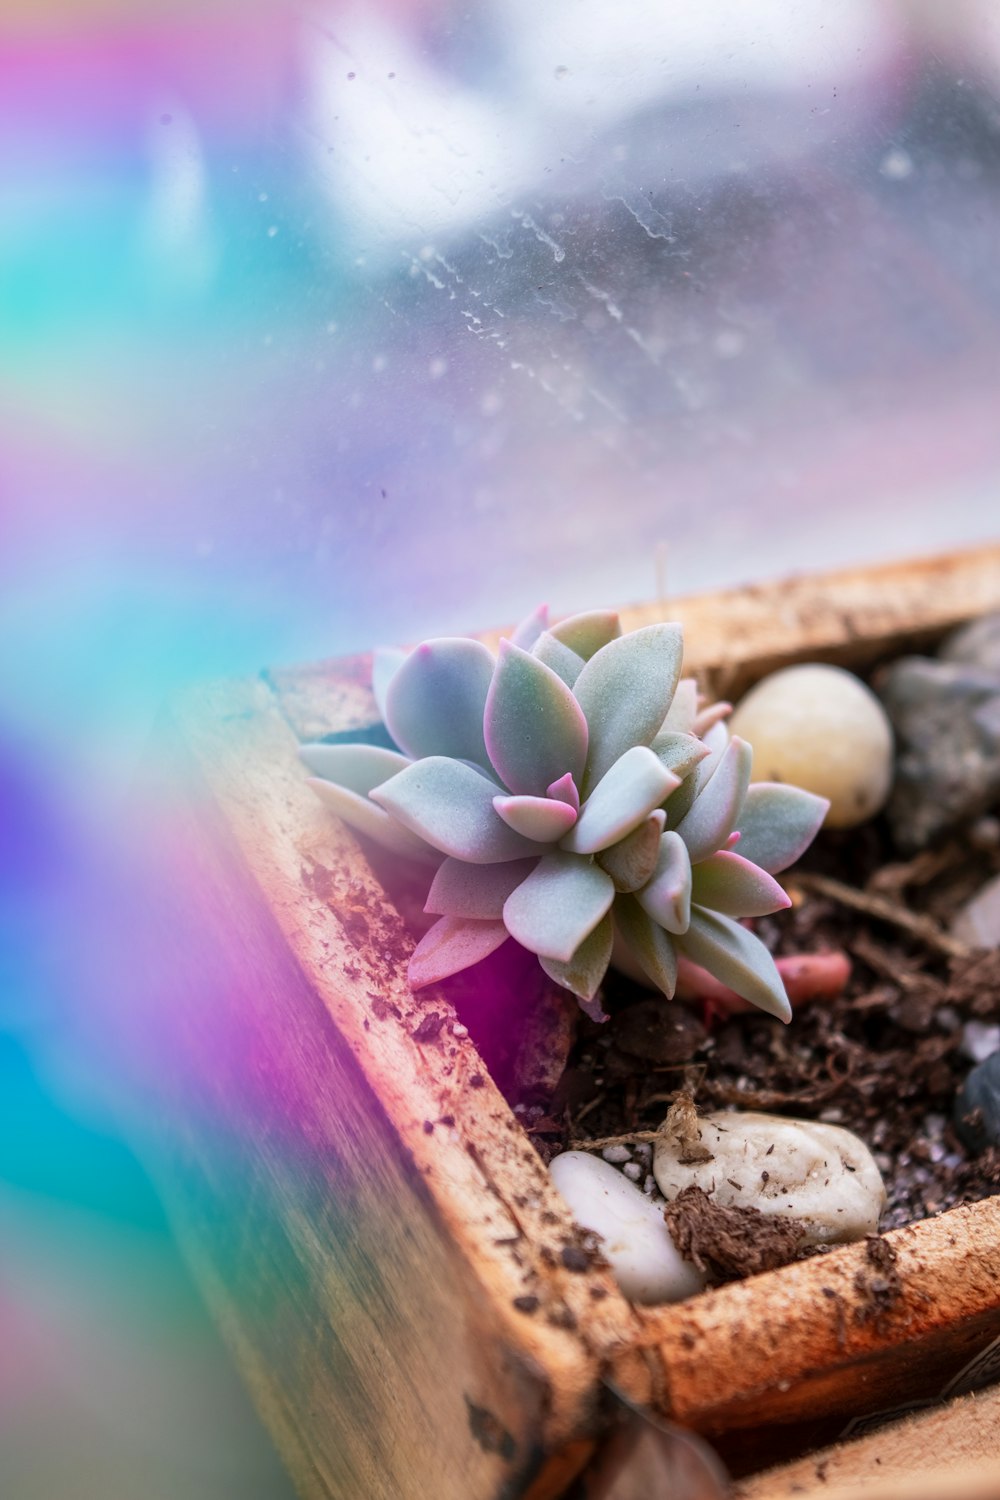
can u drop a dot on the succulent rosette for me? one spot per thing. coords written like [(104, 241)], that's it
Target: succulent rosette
[(573, 796)]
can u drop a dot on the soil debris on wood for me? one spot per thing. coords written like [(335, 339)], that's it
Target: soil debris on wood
[(878, 1283), (730, 1243)]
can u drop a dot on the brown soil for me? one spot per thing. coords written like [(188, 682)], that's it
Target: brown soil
[(729, 1243), (884, 1059)]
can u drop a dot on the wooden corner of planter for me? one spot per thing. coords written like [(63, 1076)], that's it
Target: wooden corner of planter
[(380, 1237)]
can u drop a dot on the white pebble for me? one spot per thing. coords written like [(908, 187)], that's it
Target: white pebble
[(632, 1171), (798, 1169), (459, 1030), (978, 921), (980, 1040), (617, 1154), (820, 728), (646, 1263)]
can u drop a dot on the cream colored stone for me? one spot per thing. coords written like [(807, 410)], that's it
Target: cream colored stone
[(821, 728), (799, 1169), (646, 1264)]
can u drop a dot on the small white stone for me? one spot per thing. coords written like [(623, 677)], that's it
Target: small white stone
[(632, 1171), (616, 1154), (820, 728), (980, 1040), (646, 1263), (978, 922), (798, 1169)]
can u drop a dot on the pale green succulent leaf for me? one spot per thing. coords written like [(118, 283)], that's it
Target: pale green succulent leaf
[(680, 753), (589, 964), (564, 662), (369, 819), (737, 958), (646, 942), (453, 943), (434, 703), (667, 896), (714, 811), (587, 633), (545, 819), (531, 628), (778, 823), (632, 860), (450, 805), (474, 891), (679, 803), (535, 729), (386, 662), (683, 710), (359, 768), (731, 884), (621, 800), (559, 905), (625, 691)]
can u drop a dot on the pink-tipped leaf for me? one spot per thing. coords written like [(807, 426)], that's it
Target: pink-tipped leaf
[(778, 823), (625, 691), (434, 703), (586, 633), (667, 896), (450, 945), (739, 959), (647, 944), (450, 805), (735, 886), (545, 819), (621, 800), (632, 860), (589, 964), (535, 729), (708, 824), (366, 817), (474, 891), (559, 905)]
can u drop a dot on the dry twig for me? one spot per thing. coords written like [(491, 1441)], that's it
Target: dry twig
[(885, 910)]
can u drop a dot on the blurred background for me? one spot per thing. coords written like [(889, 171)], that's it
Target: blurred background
[(322, 325)]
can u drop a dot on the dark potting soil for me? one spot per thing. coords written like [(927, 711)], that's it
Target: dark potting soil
[(884, 1059)]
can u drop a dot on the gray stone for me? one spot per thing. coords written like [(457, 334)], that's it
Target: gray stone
[(946, 718), (979, 1098), (975, 645), (978, 921)]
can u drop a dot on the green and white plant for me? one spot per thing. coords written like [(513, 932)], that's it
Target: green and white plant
[(571, 795)]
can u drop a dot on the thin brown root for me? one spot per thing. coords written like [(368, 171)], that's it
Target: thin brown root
[(600, 1143), (885, 910)]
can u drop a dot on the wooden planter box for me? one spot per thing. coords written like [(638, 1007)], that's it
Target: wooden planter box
[(373, 1229)]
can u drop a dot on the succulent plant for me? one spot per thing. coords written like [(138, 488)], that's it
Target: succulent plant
[(573, 795)]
